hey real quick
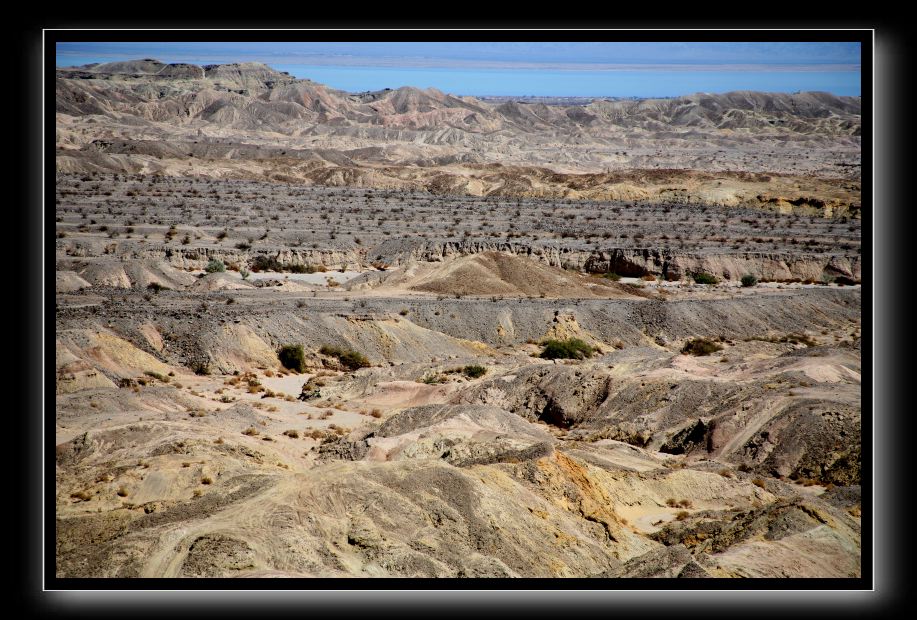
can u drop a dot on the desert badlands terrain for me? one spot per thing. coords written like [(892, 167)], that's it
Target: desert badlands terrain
[(309, 333)]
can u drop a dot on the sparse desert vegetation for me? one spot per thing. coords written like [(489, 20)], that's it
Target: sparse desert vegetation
[(349, 359), (293, 357), (308, 333), (572, 348), (474, 371), (749, 280), (700, 346)]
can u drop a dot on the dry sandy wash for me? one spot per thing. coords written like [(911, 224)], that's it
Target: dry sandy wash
[(208, 216)]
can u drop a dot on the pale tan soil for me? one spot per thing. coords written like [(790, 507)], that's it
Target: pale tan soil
[(458, 233), (624, 489)]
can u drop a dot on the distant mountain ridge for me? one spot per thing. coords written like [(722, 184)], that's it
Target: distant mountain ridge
[(249, 121), (192, 92)]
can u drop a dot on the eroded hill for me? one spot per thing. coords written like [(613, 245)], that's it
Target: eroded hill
[(247, 121)]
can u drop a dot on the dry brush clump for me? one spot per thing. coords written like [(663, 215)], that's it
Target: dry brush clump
[(348, 358), (787, 338), (700, 346), (474, 371)]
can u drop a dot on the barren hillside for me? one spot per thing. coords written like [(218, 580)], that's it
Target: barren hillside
[(248, 121)]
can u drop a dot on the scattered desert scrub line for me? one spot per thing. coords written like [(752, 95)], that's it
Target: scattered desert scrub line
[(472, 371), (432, 378), (788, 338), (678, 503), (270, 263)]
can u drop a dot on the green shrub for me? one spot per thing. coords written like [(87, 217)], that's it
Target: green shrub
[(749, 280), (293, 357), (473, 372), (700, 346), (353, 360), (350, 359), (611, 276), (704, 278), (572, 348), (215, 266)]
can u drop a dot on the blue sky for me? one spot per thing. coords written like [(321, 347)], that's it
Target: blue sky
[(598, 69)]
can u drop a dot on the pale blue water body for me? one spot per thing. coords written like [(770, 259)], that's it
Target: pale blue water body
[(570, 81), (578, 83)]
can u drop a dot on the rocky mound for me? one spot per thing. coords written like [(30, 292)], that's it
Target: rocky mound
[(462, 435), (493, 273), (117, 273), (69, 281), (219, 282)]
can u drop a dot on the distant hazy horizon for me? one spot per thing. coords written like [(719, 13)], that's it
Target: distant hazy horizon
[(524, 69)]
